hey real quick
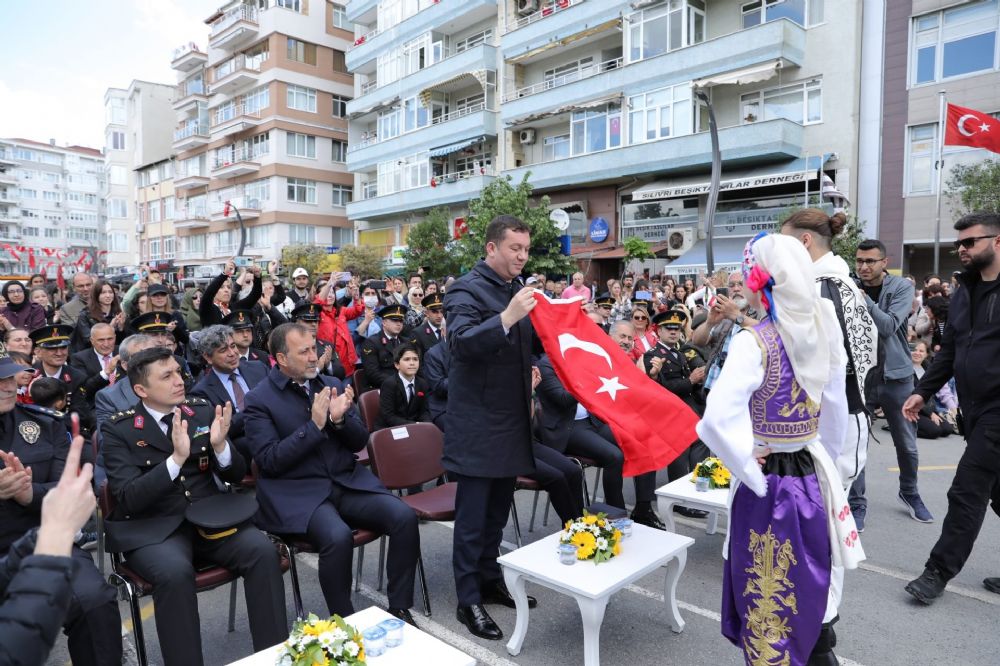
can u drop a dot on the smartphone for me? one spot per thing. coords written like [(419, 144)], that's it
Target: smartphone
[(643, 296), (377, 285), (343, 276), (243, 262), (722, 291)]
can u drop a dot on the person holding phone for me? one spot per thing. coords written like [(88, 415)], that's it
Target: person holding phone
[(220, 297)]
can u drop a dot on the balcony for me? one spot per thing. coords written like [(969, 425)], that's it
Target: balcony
[(7, 178), (455, 15), (189, 94), (249, 209), (452, 188), (234, 74), (226, 250), (759, 143), (228, 120), (7, 159), (8, 216), (234, 28), (8, 234), (232, 163), (188, 58), (192, 255), (362, 11), (190, 136), (513, 94), (188, 180), (561, 23), (8, 197), (191, 218)]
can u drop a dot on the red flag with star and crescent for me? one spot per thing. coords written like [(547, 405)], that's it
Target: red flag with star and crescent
[(968, 127), (651, 425)]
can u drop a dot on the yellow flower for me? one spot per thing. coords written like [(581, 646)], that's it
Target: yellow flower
[(617, 550), (600, 523), (590, 519), (720, 478), (361, 655), (617, 536), (325, 662), (568, 523), (585, 544)]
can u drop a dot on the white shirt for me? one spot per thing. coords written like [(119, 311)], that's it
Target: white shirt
[(225, 458), (408, 386)]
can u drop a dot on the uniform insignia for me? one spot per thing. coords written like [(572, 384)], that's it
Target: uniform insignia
[(187, 410), (201, 430), (203, 463), (384, 341), (690, 354), (29, 431), (67, 378), (138, 422), (141, 443), (366, 350), (156, 319)]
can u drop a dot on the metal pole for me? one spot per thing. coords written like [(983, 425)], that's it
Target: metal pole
[(243, 230), (940, 172), (713, 192)]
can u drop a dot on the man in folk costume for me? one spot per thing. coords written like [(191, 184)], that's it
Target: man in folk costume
[(780, 398)]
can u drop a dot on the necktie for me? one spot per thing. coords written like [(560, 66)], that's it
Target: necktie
[(238, 391), (409, 393), (168, 421), (437, 333)]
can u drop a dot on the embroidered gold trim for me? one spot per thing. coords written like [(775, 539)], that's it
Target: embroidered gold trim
[(763, 428), (769, 580)]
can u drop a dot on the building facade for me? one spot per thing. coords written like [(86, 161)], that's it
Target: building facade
[(52, 208), (261, 129), (596, 102)]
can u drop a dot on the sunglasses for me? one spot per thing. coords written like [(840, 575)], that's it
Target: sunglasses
[(640, 318), (969, 243)]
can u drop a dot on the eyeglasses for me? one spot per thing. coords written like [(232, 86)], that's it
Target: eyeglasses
[(868, 262), (640, 318), (968, 243)]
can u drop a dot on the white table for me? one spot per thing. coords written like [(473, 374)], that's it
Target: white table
[(683, 493), (417, 648), (592, 585)]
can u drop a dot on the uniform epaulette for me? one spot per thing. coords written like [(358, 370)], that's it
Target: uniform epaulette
[(118, 416), (195, 401), (46, 411)]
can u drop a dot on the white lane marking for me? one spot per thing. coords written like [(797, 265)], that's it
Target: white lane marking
[(961, 590)]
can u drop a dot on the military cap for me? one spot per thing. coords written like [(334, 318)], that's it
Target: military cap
[(645, 305), (394, 311), (152, 322), (8, 366), (238, 319), (671, 319), (605, 299), (52, 337), (220, 512), (433, 301), (306, 312)]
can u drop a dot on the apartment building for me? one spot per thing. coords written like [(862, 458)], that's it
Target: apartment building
[(135, 134), (262, 129), (156, 208), (930, 46), (595, 99), (51, 206)]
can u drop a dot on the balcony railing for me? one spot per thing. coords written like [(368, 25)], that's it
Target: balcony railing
[(564, 79), (182, 51), (487, 38), (367, 139), (228, 113), (191, 254), (364, 38), (369, 190), (235, 64), (181, 172), (369, 86), (194, 129), (372, 137), (553, 8), (226, 250), (196, 213), (238, 13), (459, 113), (239, 155), (196, 87)]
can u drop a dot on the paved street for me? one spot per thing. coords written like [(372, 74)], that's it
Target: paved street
[(880, 624)]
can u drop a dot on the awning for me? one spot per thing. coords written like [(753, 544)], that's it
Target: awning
[(795, 171), (454, 83), (454, 147), (617, 252), (580, 106), (727, 253), (377, 106), (752, 74)]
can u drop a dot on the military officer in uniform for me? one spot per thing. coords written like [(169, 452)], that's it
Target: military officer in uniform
[(241, 321), (163, 457), (604, 303), (431, 329), (377, 350), (157, 325), (308, 314), (52, 350)]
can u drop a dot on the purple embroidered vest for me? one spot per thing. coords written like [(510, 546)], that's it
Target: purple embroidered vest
[(780, 410)]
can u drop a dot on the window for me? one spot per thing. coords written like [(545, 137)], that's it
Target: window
[(115, 140), (54, 196), (117, 242), (339, 151), (50, 177), (342, 195), (301, 233), (475, 164), (257, 191), (155, 211), (118, 175), (301, 190), (595, 130), (659, 114), (803, 12), (90, 199), (339, 61), (114, 112), (256, 55), (301, 145), (154, 248), (28, 194), (300, 51), (30, 231), (665, 27), (259, 236), (118, 208), (168, 208), (340, 18), (555, 147), (954, 42), (195, 244), (78, 233), (256, 100), (800, 102), (415, 114), (472, 41), (407, 173), (340, 106), (388, 123), (53, 233), (30, 214), (301, 99), (293, 5), (920, 159)]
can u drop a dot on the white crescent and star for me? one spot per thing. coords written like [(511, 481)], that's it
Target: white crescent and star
[(983, 127), (569, 341), (611, 386)]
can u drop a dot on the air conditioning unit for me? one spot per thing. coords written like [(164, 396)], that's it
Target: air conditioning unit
[(526, 137), (679, 241), (58, 204), (525, 7)]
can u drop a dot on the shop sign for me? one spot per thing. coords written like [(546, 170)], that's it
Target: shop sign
[(598, 230), (668, 191)]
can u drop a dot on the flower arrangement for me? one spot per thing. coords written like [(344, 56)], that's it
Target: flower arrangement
[(713, 470), (330, 642), (594, 537)]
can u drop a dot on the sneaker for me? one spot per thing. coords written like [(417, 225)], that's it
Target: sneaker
[(916, 507), (992, 584), (928, 587), (87, 540), (859, 513)]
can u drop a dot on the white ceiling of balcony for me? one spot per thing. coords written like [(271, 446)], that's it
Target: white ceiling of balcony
[(453, 83), (576, 39), (376, 106), (580, 106)]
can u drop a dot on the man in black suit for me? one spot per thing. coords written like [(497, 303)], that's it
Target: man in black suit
[(329, 364), (403, 398), (164, 456), (431, 329), (241, 323), (434, 367), (52, 351), (227, 378), (100, 362), (377, 350), (303, 432)]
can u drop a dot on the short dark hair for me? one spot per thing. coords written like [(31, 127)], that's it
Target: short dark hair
[(278, 342), (138, 364), (990, 220), (46, 391), (872, 244), (501, 224), (402, 349)]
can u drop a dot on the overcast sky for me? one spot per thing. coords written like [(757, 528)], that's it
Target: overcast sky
[(60, 56)]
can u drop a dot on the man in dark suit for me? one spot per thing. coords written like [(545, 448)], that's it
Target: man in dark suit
[(52, 350), (227, 378), (403, 398), (431, 329), (434, 366), (603, 305), (487, 441), (377, 350), (163, 456), (33, 449), (241, 323), (329, 364), (303, 433), (99, 362)]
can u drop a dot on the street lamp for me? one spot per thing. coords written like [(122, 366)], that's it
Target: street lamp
[(239, 218)]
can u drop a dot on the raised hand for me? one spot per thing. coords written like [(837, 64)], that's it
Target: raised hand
[(321, 408), (519, 307), (180, 439), (339, 404), (110, 366), (230, 268), (68, 506), (220, 427)]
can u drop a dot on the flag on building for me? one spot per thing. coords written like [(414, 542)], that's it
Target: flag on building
[(968, 127)]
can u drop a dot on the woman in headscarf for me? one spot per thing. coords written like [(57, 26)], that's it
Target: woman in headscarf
[(20, 312), (777, 417), (189, 308)]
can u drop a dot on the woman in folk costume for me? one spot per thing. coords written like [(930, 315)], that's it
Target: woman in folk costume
[(777, 418)]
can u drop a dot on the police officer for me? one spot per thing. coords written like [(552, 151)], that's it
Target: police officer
[(52, 350), (431, 329), (157, 325), (376, 351), (241, 321), (308, 314), (604, 303)]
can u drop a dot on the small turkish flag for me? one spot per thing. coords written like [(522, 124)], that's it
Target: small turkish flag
[(651, 425), (225, 210), (967, 127), (461, 227), (60, 280)]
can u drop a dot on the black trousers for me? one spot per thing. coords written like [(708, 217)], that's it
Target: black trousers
[(169, 566), (685, 462), (561, 478), (977, 474), (482, 506), (93, 624), (594, 439), (331, 533)]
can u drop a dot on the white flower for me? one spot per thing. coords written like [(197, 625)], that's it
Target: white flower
[(326, 638), (351, 648), (602, 543), (339, 634)]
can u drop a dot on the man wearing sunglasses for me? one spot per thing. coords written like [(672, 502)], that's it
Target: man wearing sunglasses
[(969, 351), (890, 382)]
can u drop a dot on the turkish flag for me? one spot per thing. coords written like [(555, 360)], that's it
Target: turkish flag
[(651, 425), (60, 280), (967, 127)]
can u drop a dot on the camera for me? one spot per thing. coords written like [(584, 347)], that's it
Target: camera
[(243, 262)]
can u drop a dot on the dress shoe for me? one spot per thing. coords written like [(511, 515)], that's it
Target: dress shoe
[(497, 593), (928, 587), (403, 614), (992, 584), (478, 622), (689, 512), (648, 518)]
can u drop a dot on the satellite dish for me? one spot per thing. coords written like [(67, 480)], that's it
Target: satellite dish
[(560, 218)]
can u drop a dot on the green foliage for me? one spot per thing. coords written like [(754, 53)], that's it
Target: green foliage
[(363, 261), (428, 246), (636, 249), (308, 257), (845, 244), (502, 197), (974, 187)]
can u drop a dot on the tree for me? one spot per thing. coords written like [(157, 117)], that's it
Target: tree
[(429, 243), (975, 187), (501, 197), (636, 249), (845, 244), (309, 257), (362, 261)]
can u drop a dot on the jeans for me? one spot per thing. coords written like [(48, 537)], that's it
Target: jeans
[(890, 396)]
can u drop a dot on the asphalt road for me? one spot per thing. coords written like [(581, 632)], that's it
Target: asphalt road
[(880, 624)]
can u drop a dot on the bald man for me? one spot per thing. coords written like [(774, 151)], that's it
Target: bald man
[(70, 311), (100, 362)]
